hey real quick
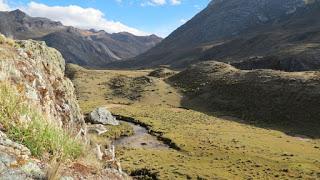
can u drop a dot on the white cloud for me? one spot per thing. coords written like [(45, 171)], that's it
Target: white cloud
[(4, 6), (183, 21), (86, 18), (175, 2), (160, 2)]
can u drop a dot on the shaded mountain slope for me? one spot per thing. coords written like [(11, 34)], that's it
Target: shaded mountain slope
[(84, 47), (239, 30), (285, 100)]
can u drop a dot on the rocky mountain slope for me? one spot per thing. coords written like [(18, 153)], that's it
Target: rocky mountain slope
[(279, 34), (84, 47), (288, 101)]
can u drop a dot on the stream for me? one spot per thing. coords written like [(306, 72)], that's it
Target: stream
[(140, 139)]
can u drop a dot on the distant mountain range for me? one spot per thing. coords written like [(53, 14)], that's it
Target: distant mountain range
[(88, 48), (250, 34)]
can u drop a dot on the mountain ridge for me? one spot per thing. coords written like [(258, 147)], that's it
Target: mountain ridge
[(226, 31), (90, 48)]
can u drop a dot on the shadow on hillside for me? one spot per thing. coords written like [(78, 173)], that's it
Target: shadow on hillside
[(303, 128)]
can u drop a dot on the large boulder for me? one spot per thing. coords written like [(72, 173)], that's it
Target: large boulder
[(102, 116)]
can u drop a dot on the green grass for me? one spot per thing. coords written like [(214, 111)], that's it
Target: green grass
[(212, 147), (35, 132), (115, 132)]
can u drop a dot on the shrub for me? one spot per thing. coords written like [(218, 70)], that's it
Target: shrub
[(37, 133)]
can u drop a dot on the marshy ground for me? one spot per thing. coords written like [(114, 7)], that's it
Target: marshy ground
[(204, 146)]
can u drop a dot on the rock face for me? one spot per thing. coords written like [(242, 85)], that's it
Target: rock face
[(83, 47), (289, 101), (38, 73), (102, 116), (15, 162), (236, 30)]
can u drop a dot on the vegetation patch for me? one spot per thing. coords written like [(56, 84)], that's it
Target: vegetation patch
[(8, 41), (28, 126), (162, 73), (144, 174), (130, 88), (115, 132)]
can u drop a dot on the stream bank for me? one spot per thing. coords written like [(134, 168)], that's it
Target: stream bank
[(140, 139), (144, 133)]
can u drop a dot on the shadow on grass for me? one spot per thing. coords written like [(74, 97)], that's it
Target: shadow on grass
[(295, 117)]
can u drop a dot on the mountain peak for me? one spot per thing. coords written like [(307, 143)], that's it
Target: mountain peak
[(18, 13)]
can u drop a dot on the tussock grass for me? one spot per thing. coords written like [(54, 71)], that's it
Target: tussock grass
[(8, 41), (28, 126)]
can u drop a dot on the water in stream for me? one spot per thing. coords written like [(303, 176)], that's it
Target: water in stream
[(140, 139)]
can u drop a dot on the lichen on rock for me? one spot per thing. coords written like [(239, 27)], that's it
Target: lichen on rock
[(38, 73)]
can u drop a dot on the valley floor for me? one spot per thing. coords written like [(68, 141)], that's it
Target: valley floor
[(204, 146)]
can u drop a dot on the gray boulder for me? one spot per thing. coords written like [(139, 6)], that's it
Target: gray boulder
[(102, 116)]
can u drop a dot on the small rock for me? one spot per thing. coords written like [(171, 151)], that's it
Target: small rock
[(33, 170), (98, 128), (66, 178), (2, 167)]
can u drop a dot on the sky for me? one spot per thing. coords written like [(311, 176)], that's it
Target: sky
[(140, 17)]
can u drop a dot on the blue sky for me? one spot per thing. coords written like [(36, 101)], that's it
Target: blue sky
[(140, 17)]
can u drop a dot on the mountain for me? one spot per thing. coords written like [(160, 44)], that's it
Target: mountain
[(89, 48), (280, 34), (19, 25)]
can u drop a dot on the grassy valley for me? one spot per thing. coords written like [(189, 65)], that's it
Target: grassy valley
[(233, 93), (205, 145)]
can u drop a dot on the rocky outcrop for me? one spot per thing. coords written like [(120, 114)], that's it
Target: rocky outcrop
[(35, 73), (289, 101), (38, 73), (15, 161), (102, 116)]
